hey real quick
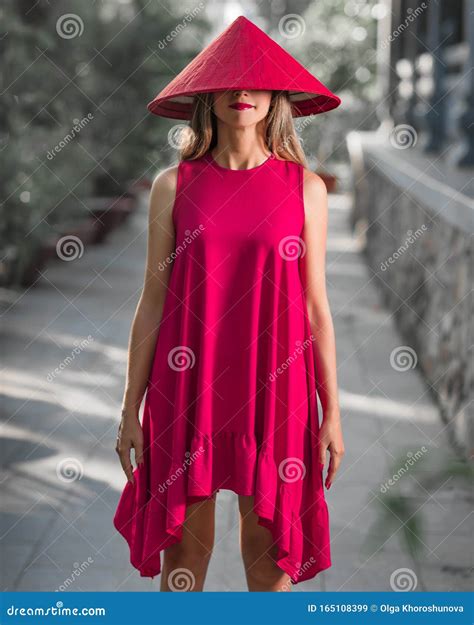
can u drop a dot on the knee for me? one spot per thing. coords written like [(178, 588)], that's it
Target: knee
[(191, 554)]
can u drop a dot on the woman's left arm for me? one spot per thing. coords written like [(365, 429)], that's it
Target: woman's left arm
[(313, 275)]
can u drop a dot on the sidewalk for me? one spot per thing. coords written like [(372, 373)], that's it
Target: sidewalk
[(61, 478)]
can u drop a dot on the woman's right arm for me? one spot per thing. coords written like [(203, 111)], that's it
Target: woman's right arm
[(144, 331)]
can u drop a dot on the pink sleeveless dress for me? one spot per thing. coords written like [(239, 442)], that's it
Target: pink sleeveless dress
[(231, 401)]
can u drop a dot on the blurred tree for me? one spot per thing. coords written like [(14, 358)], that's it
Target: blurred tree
[(339, 45), (73, 118), (336, 40), (37, 112)]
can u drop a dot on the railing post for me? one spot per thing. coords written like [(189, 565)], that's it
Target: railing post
[(467, 119), (436, 114)]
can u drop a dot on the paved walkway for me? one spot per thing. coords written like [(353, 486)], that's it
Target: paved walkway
[(61, 425)]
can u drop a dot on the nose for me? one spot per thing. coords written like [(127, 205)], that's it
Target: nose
[(237, 92)]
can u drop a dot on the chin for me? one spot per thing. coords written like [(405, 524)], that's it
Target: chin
[(242, 119)]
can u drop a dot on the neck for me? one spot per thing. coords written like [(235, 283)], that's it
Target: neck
[(239, 148)]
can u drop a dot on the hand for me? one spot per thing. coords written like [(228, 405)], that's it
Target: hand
[(330, 439), (130, 435)]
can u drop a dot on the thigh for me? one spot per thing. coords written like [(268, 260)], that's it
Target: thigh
[(185, 562), (199, 523)]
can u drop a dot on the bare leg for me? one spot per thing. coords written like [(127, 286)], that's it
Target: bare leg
[(258, 553), (185, 563)]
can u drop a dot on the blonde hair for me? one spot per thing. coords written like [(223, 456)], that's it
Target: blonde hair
[(280, 134)]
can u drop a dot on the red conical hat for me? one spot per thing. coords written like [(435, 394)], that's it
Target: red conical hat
[(243, 57)]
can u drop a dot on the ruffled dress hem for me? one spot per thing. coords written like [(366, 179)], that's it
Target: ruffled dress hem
[(246, 471)]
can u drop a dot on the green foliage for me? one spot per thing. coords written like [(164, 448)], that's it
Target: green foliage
[(78, 76), (338, 45), (400, 505)]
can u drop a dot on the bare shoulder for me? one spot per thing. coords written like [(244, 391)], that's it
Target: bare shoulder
[(315, 192), (313, 184), (163, 190), (165, 181)]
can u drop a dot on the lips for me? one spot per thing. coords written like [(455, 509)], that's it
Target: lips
[(241, 106)]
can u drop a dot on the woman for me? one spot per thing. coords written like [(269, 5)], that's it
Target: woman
[(233, 339)]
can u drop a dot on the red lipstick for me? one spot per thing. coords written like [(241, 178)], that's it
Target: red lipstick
[(241, 106)]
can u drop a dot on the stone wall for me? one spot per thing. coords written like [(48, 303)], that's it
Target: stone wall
[(419, 246)]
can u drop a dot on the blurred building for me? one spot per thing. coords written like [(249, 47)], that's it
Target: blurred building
[(414, 186)]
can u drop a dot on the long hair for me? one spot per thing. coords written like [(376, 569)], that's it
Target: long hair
[(279, 130)]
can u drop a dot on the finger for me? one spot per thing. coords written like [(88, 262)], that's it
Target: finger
[(333, 468), (138, 452), (124, 455), (322, 454), (330, 473)]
